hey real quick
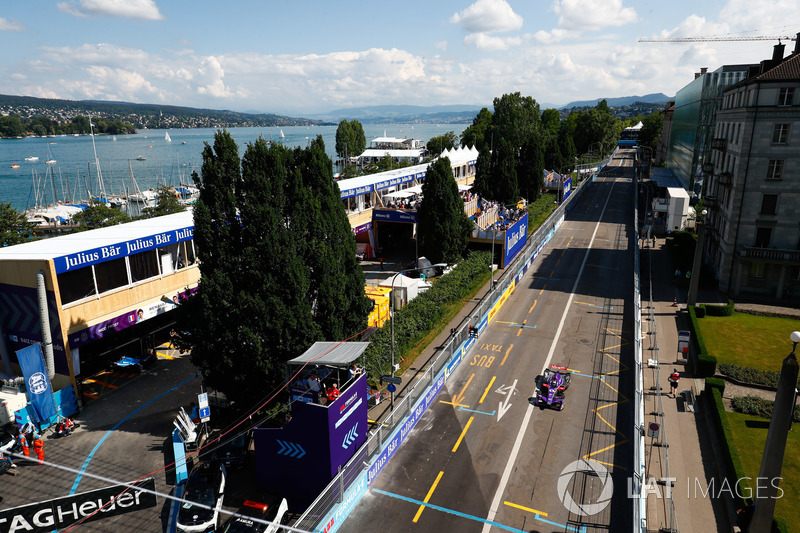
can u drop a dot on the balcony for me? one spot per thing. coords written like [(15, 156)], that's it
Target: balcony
[(710, 202), (773, 255), (708, 168), (725, 179), (720, 144)]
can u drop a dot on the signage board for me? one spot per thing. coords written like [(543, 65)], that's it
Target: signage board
[(397, 380), (515, 238), (60, 513), (652, 430)]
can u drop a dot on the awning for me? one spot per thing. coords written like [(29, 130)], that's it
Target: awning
[(331, 353), (462, 188), (399, 194)]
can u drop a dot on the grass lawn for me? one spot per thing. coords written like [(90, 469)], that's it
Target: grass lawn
[(748, 340), (749, 441), (540, 209)]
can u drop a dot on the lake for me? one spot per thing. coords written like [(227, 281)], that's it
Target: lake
[(164, 162)]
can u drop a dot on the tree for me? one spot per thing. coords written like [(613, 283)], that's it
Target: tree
[(350, 139), (167, 202), (11, 126), (650, 134), (504, 186), (278, 265), (14, 227), (437, 145), (99, 216), (479, 134), (443, 227)]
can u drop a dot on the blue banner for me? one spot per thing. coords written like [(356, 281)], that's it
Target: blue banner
[(516, 237), (40, 391)]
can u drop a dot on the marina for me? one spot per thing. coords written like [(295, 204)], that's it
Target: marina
[(63, 170)]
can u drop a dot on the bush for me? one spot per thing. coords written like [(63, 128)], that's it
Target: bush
[(730, 455), (753, 405), (700, 311), (753, 376), (715, 383), (706, 364), (720, 310)]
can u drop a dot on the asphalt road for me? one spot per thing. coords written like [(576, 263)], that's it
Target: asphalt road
[(484, 458)]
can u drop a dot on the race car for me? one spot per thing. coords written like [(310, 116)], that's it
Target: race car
[(134, 362), (552, 386)]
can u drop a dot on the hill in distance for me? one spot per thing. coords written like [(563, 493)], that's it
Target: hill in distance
[(655, 98), (445, 114)]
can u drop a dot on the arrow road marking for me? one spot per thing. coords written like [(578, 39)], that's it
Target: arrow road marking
[(460, 397), (505, 406)]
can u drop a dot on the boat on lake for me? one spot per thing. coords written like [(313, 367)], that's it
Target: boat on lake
[(32, 158), (15, 165), (141, 158), (167, 137)]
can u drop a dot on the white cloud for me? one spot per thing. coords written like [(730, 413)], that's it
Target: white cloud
[(484, 41), (745, 15), (210, 77), (488, 16), (133, 9), (441, 45), (554, 36), (594, 14), (7, 25)]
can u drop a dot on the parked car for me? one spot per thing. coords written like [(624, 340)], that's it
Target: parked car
[(233, 452), (243, 521), (7, 441), (205, 489), (135, 363)]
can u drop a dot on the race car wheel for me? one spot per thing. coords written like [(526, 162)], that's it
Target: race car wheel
[(561, 406)]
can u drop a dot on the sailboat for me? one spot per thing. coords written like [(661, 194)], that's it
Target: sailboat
[(282, 135), (167, 137), (50, 160)]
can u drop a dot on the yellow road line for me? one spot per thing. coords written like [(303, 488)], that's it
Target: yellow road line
[(454, 404), (103, 383), (460, 397), (506, 356), (534, 305), (487, 389), (534, 511), (543, 288), (428, 496), (461, 437)]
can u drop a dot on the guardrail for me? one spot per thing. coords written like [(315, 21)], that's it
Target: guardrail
[(638, 468), (329, 511)]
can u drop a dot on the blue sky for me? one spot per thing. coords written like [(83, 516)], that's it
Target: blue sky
[(301, 58)]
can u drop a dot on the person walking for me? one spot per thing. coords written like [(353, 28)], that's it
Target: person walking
[(673, 381), (38, 447), (22, 442)]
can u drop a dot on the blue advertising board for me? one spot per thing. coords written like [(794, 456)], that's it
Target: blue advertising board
[(100, 254), (394, 215), (516, 237), (355, 191)]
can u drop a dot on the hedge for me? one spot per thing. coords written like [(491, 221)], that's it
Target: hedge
[(720, 310), (424, 313), (753, 405), (706, 363), (717, 383), (733, 463)]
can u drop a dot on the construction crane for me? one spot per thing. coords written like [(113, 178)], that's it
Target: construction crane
[(715, 39)]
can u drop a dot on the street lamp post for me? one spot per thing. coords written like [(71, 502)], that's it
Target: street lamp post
[(766, 492), (694, 281), (391, 315)]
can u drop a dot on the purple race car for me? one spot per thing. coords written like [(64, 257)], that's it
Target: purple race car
[(552, 386)]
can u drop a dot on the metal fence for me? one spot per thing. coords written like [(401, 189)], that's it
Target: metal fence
[(637, 479), (406, 403)]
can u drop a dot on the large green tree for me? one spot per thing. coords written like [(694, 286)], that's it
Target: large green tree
[(444, 228), (14, 227), (479, 133), (437, 145), (650, 134), (278, 264), (350, 138)]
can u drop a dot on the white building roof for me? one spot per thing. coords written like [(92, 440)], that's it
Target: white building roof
[(398, 153), (72, 243)]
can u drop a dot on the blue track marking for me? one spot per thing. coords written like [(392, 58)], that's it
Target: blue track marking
[(582, 529), (118, 424), (480, 412), (601, 378), (175, 507)]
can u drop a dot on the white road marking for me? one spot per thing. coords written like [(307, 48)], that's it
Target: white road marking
[(505, 406), (498, 496)]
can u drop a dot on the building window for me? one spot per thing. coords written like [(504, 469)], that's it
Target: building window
[(171, 259), (786, 96), (111, 274), (763, 237), (769, 204), (775, 169), (144, 265), (781, 134), (76, 285), (757, 270)]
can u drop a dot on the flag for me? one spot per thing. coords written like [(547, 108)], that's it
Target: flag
[(40, 391)]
